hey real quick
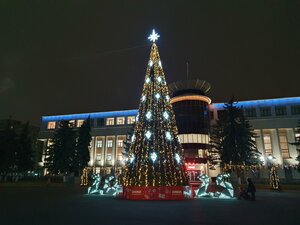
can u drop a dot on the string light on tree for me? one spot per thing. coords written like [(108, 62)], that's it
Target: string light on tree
[(148, 80), (166, 115), (177, 158), (159, 63), (274, 179), (168, 135), (159, 79), (131, 159), (153, 156), (148, 115), (150, 63), (148, 134), (157, 95), (132, 138)]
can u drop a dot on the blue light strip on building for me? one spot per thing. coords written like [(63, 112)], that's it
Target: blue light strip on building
[(262, 103), (218, 106), (96, 115)]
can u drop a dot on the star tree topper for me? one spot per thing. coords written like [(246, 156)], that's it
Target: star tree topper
[(154, 36)]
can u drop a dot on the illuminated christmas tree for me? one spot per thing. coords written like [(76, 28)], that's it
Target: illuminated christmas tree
[(274, 179), (155, 157)]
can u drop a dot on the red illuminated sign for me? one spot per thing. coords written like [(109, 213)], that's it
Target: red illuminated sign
[(191, 167)]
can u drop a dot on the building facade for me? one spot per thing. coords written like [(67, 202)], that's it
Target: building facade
[(273, 120)]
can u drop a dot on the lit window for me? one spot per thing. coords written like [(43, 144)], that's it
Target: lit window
[(265, 111), (202, 153), (51, 125), (99, 144), (98, 157), (120, 143), (108, 157), (250, 112), (284, 145), (79, 123), (120, 157), (120, 120), (72, 123), (109, 143), (130, 119), (193, 138), (110, 121), (280, 110), (267, 144), (295, 109)]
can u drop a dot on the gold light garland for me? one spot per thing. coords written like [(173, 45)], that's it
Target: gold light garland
[(155, 99)]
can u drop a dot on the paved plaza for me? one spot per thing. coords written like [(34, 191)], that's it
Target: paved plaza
[(70, 206)]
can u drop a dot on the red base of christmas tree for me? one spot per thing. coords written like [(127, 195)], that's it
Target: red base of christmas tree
[(153, 193)]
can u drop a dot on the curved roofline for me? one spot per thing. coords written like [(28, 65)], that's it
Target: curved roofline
[(201, 86)]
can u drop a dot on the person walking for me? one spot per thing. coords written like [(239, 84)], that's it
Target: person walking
[(251, 189)]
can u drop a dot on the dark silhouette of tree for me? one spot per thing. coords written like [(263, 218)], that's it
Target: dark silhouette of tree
[(233, 140), (25, 155), (8, 150), (83, 144), (61, 154)]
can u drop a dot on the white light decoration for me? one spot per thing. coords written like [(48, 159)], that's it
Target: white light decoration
[(167, 97), (132, 138), (131, 159), (178, 138), (159, 63), (147, 80), (150, 63), (148, 134), (148, 115), (143, 98), (153, 156), (159, 79), (168, 135), (157, 95), (137, 118), (154, 36), (166, 115), (262, 159), (177, 157)]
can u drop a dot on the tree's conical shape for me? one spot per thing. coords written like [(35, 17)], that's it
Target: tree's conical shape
[(155, 156)]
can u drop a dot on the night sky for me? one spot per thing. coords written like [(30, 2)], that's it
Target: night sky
[(63, 57)]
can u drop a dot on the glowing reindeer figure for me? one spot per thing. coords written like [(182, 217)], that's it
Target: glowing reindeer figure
[(111, 186), (94, 188), (201, 191), (223, 181)]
